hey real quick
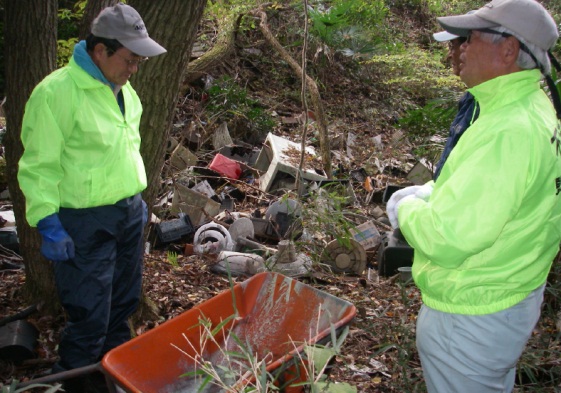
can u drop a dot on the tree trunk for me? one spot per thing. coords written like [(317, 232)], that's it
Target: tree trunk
[(173, 25), (30, 45), (228, 29), (93, 8), (158, 83)]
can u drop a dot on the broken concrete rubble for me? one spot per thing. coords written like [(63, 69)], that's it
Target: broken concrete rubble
[(197, 206), (280, 155)]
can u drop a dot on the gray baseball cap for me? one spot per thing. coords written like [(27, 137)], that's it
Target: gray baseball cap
[(124, 24), (528, 19)]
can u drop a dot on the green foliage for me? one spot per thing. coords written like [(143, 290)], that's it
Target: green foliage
[(347, 26), (68, 24), (438, 7), (324, 218), (432, 119), (414, 73), (227, 101), (218, 9), (65, 48), (317, 357), (326, 21), (172, 259)]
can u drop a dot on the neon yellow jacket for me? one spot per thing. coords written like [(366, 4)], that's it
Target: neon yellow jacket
[(80, 151), (492, 226)]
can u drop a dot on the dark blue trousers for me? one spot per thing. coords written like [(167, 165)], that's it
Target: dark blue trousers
[(100, 288)]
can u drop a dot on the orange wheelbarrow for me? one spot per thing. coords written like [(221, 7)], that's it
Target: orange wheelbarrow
[(269, 317)]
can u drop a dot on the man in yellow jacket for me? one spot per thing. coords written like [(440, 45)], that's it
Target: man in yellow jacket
[(486, 236), (81, 173)]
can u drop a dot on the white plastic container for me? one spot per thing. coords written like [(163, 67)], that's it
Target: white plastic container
[(239, 263)]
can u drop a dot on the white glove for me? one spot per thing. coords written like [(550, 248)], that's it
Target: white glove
[(391, 206), (394, 222), (425, 191), (421, 192)]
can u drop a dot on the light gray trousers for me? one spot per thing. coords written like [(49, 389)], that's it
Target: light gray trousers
[(475, 353)]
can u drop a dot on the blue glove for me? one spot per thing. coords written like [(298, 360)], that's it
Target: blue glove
[(57, 244)]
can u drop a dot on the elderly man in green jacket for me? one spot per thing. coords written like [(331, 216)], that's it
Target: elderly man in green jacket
[(81, 173), (486, 237)]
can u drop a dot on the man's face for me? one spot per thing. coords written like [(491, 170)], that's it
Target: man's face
[(119, 66), (479, 60), (454, 54)]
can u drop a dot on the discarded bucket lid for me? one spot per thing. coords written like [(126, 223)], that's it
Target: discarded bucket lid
[(301, 267), (18, 340), (242, 227), (345, 257)]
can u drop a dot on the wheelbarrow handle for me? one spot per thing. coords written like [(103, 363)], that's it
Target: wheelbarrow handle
[(64, 375)]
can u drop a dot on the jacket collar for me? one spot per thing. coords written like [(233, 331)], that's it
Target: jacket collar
[(81, 63), (505, 89)]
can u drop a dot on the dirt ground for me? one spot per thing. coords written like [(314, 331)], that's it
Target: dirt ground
[(367, 360), (378, 354)]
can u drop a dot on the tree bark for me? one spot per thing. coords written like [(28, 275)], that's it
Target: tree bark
[(30, 45), (174, 26)]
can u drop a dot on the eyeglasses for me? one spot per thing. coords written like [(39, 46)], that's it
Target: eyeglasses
[(136, 62)]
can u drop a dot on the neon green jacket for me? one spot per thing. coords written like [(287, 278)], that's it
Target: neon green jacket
[(492, 226), (80, 151)]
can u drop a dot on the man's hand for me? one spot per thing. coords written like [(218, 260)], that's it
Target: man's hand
[(57, 245)]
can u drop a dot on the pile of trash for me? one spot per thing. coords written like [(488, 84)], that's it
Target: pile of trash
[(241, 209)]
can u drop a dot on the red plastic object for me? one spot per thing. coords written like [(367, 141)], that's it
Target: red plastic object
[(226, 166), (277, 315)]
